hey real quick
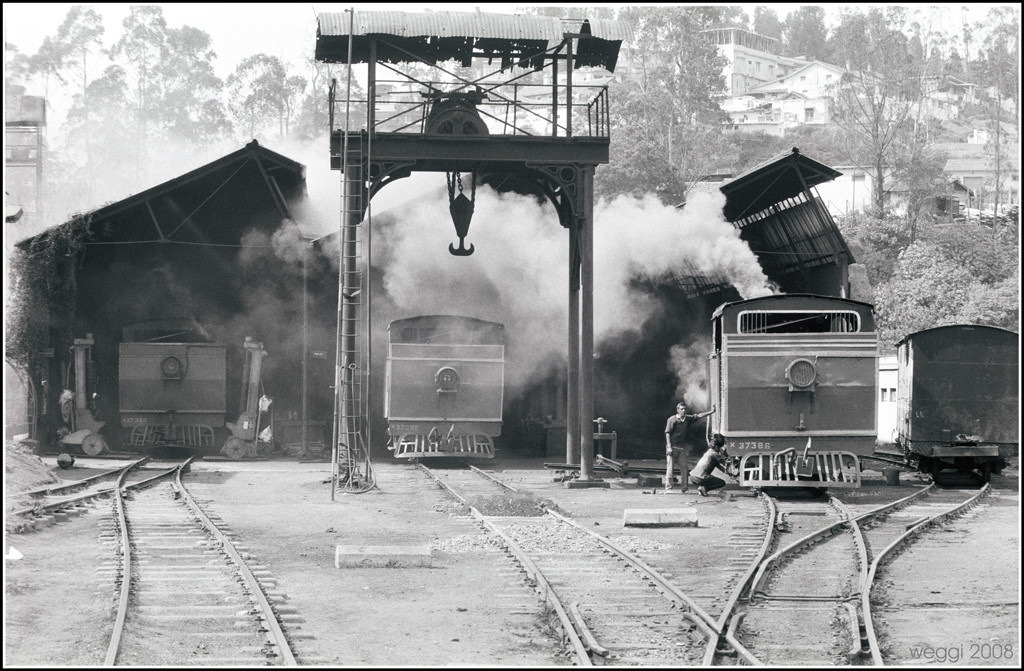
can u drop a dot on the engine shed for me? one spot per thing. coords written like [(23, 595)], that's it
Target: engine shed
[(192, 260)]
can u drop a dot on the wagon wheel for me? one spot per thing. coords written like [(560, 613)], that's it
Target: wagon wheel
[(235, 448), (94, 445)]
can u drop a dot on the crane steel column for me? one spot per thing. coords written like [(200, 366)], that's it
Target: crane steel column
[(586, 235), (572, 401)]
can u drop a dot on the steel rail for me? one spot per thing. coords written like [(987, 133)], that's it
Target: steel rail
[(280, 640), (586, 635), (494, 479), (703, 620), (856, 649), (126, 558), (540, 582), (741, 650), (812, 537), (57, 505), (541, 585), (830, 529), (876, 653), (42, 491), (443, 484), (771, 510)]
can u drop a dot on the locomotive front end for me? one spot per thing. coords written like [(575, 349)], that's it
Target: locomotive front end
[(794, 379), (444, 386), (170, 393)]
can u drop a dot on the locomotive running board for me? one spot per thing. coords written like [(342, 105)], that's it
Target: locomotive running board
[(415, 446), (818, 469)]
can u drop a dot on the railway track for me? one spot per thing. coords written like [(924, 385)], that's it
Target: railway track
[(612, 607), (56, 503), (185, 596), (891, 532), (801, 606)]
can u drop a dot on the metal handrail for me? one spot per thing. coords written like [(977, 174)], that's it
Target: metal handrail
[(404, 111)]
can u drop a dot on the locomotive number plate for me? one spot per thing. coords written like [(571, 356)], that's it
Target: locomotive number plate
[(751, 445)]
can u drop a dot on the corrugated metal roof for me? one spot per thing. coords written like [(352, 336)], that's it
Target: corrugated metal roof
[(968, 164), (440, 36), (471, 24), (441, 24), (773, 181)]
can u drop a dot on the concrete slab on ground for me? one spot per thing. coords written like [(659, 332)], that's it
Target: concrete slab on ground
[(659, 517)]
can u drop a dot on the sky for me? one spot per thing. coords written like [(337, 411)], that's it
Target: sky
[(240, 30), (288, 30)]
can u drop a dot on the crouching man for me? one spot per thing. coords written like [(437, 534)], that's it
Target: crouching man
[(714, 457)]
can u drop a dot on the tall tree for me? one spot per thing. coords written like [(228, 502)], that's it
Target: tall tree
[(192, 109), (666, 117), (81, 34), (261, 90), (141, 49), (767, 22), (806, 35), (115, 138), (48, 63), (999, 66), (875, 98), (16, 70)]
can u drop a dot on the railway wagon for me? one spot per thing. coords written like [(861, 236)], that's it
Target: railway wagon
[(444, 386), (957, 403), (793, 377)]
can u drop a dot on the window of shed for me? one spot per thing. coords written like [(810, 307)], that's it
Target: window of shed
[(799, 321)]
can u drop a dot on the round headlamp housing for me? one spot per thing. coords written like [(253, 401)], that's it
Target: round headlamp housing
[(447, 379), (170, 367), (801, 373)]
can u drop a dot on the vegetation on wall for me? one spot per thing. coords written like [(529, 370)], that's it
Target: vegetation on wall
[(42, 285)]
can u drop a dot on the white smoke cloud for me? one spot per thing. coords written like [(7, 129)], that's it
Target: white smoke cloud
[(518, 274), (689, 362)]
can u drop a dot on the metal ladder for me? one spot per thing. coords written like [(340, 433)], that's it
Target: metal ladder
[(351, 419)]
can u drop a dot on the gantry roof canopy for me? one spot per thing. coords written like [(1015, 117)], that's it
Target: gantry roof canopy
[(787, 227), (436, 37), (772, 182)]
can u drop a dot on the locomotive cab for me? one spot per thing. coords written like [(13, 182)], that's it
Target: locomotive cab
[(794, 378)]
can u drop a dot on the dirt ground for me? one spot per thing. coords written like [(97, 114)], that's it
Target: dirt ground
[(467, 606)]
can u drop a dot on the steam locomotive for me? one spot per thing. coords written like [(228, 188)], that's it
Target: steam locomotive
[(444, 386), (794, 379), (172, 383), (957, 401)]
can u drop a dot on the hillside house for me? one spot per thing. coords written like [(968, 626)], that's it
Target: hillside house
[(797, 98), (978, 173), (752, 59)]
